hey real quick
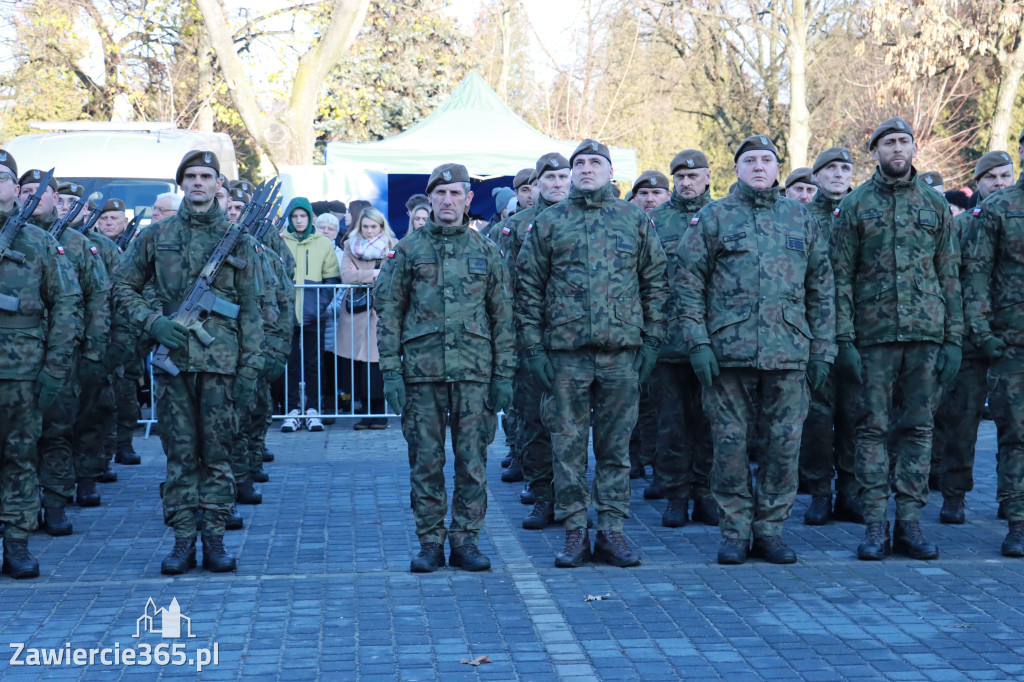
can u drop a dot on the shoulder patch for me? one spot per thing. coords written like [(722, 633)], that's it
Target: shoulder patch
[(695, 219), (94, 250), (976, 212), (836, 212), (120, 250), (501, 252), (60, 249), (505, 230), (529, 227), (391, 253)]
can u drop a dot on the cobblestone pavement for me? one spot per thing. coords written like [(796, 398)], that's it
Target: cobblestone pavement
[(323, 590)]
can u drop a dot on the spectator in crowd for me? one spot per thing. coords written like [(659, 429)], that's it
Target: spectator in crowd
[(414, 201), (418, 216), (315, 263), (328, 224), (164, 205), (366, 246), (958, 201), (355, 209)]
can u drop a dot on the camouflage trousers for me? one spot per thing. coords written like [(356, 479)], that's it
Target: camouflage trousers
[(510, 425), (1006, 401), (603, 384), (21, 424), (744, 403), (829, 441), (533, 440), (907, 370), (55, 452), (96, 409), (247, 450), (643, 441), (429, 407), (126, 388), (198, 422), (956, 428), (682, 463)]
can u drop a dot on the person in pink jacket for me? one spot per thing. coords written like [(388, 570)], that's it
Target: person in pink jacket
[(366, 246)]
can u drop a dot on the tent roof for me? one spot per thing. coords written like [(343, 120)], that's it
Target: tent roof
[(472, 127)]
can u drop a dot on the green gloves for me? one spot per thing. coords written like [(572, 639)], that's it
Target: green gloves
[(848, 362), (47, 388), (89, 371), (539, 366), (949, 362), (243, 390), (817, 373), (168, 332), (645, 359), (993, 347), (394, 391), (500, 396), (705, 364), (115, 355), (273, 366)]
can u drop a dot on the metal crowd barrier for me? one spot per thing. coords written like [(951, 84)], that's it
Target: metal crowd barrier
[(323, 391)]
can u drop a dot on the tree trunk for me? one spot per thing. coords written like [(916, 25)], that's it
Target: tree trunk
[(1011, 72), (204, 58), (799, 116)]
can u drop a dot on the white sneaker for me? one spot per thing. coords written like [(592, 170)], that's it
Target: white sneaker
[(291, 424), (313, 422)]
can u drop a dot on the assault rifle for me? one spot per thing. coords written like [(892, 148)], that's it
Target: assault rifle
[(129, 232), (10, 230), (201, 302), (269, 219), (93, 217)]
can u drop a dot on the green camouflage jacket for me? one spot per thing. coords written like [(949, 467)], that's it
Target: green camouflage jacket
[(671, 221), (896, 264), (756, 283), (994, 268), (121, 332), (88, 266), (444, 308), (512, 232), (47, 326), (823, 209), (278, 314), (591, 275), (172, 253)]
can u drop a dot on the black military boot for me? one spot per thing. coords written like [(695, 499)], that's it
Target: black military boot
[(181, 559), (952, 510), (507, 460), (676, 513), (514, 472), (819, 511), (876, 542), (636, 469), (468, 558), (215, 557), (1001, 512), (260, 476), (87, 495), (108, 475), (541, 516), (935, 481), (909, 540), (268, 456), (1013, 543), (18, 563), (772, 549), (430, 558), (849, 508), (125, 454), (733, 551), (55, 521), (576, 550), (611, 548), (526, 495), (655, 491), (246, 493), (705, 510), (235, 520)]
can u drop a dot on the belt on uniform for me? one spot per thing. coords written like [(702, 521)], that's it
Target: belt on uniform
[(8, 321)]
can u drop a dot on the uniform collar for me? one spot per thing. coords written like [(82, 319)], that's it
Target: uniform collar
[(894, 185), (446, 230), (762, 198), (208, 218), (591, 198), (691, 205)]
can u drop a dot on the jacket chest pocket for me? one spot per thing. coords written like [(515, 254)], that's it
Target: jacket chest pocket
[(171, 267), (424, 270), (735, 243), (474, 279), (625, 254)]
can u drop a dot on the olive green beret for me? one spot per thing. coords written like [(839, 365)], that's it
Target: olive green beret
[(990, 161), (551, 161), (829, 155), (112, 205), (244, 185), (650, 179), (589, 146), (35, 175), (931, 178), (197, 158), (799, 175), (238, 194), (7, 159), (753, 143), (447, 173), (688, 158), (888, 127), (533, 177), (629, 196), (72, 188), (522, 178)]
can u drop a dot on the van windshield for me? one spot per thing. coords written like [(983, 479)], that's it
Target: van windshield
[(137, 194)]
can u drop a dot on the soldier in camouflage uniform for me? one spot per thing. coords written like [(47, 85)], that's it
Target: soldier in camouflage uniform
[(682, 461), (534, 440), (40, 324), (446, 344), (56, 447), (591, 290), (800, 186), (993, 296), (827, 448), (962, 403), (899, 323), (197, 408), (756, 297)]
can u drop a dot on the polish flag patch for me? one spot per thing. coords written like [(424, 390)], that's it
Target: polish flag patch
[(391, 253), (694, 220), (94, 250), (836, 212), (976, 212), (60, 249), (505, 230)]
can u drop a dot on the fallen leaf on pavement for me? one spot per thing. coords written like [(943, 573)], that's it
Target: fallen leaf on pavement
[(476, 661), (597, 597)]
